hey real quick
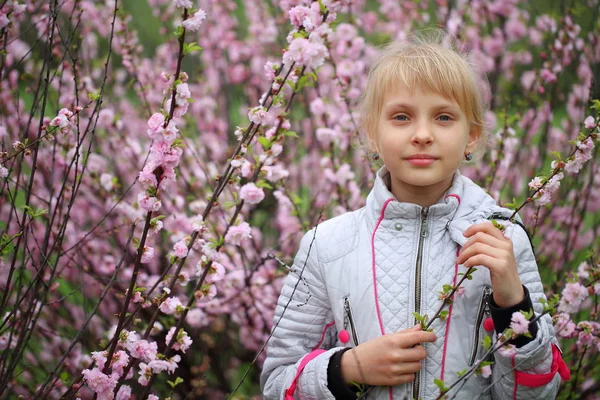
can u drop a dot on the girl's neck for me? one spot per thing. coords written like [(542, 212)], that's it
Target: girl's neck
[(423, 196)]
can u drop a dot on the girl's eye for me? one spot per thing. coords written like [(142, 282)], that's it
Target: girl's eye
[(445, 118), (400, 117)]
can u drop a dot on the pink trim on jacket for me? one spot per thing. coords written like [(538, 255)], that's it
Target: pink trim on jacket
[(329, 325), (289, 393), (449, 318), (537, 380), (373, 264)]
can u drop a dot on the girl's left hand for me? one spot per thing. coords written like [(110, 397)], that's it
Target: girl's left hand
[(487, 246)]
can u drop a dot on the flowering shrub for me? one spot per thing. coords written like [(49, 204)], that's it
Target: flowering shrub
[(160, 162)]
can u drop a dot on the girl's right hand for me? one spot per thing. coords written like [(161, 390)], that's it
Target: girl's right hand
[(388, 360)]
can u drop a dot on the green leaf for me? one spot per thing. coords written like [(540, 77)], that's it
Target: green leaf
[(178, 380), (486, 342), (291, 133), (595, 105), (264, 185), (440, 384), (94, 96), (264, 142)]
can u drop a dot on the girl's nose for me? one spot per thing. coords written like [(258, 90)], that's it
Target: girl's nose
[(422, 134)]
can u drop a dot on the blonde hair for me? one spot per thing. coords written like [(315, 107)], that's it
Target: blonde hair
[(431, 63)]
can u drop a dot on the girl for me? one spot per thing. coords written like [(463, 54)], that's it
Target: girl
[(345, 314)]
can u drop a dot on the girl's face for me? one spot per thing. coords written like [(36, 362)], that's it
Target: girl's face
[(422, 123)]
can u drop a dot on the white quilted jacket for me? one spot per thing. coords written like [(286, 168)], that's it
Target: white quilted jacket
[(361, 270)]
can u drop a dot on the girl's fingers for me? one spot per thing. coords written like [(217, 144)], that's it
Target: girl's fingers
[(485, 227), (408, 367), (416, 353), (481, 237), (482, 259), (479, 248)]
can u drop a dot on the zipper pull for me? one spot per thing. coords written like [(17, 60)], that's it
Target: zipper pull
[(424, 231), (488, 323), (344, 335)]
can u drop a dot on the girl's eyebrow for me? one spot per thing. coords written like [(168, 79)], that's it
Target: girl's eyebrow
[(410, 107)]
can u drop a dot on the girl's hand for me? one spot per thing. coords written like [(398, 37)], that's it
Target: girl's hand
[(488, 246), (388, 360)]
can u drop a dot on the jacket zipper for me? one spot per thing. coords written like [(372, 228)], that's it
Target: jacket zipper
[(484, 309), (349, 319), (423, 234)]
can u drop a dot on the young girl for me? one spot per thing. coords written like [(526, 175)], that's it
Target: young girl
[(345, 314)]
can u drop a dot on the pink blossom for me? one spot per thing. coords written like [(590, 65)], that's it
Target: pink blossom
[(4, 21), (147, 255), (564, 326), (119, 362), (169, 365), (258, 115), (486, 371), (183, 341), (180, 248), (142, 349), (590, 122), (193, 24), (507, 350), (216, 273), (572, 296), (145, 374), (535, 183), (182, 94), (237, 233), (148, 203), (124, 393), (548, 76), (519, 324), (155, 122), (275, 173), (251, 194), (327, 136), (153, 397), (183, 3), (303, 52), (3, 172), (147, 178), (196, 318), (101, 384), (171, 305)]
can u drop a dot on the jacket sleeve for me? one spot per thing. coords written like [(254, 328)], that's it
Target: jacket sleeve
[(532, 372), (296, 365)]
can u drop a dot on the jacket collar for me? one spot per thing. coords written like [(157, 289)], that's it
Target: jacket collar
[(464, 203)]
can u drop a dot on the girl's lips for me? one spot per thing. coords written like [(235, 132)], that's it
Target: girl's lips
[(421, 162)]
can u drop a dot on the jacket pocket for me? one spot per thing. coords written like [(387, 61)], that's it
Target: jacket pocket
[(349, 320), (482, 313)]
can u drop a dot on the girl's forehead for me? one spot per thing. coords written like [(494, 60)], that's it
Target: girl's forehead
[(401, 92)]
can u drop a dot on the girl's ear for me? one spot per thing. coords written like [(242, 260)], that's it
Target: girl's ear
[(474, 136)]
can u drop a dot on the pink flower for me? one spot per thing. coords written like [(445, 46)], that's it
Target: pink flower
[(518, 323), (548, 76), (193, 23), (182, 94), (563, 325), (183, 3), (124, 393), (147, 178), (535, 183), (170, 365), (3, 172), (258, 115), (486, 371), (119, 362), (251, 194), (572, 296), (590, 122), (183, 341), (148, 203), (101, 384), (216, 273), (237, 233), (507, 350), (145, 374), (327, 136), (147, 255), (153, 397), (155, 122), (180, 248), (142, 349), (304, 52), (171, 305)]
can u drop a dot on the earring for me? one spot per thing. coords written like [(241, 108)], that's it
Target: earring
[(468, 156), (375, 156)]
